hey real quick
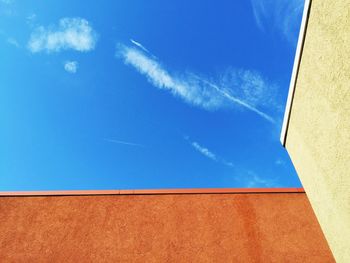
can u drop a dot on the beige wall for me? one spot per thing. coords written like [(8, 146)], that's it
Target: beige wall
[(318, 138)]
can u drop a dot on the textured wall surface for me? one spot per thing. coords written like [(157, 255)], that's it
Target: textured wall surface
[(161, 228), (318, 139)]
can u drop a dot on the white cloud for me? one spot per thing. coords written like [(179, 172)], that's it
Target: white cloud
[(71, 66), (191, 88), (71, 33), (280, 15)]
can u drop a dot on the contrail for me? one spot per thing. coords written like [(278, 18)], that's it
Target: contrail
[(236, 100), (123, 142), (184, 87), (139, 45)]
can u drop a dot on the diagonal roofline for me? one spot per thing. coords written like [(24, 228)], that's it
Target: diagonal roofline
[(295, 72)]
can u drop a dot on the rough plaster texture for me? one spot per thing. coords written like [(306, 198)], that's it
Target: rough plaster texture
[(161, 228), (318, 138)]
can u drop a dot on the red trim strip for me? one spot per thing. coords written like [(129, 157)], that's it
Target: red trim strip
[(157, 191)]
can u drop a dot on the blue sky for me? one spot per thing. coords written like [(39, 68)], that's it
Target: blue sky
[(145, 94)]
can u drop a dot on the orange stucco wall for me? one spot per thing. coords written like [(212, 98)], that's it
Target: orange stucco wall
[(246, 227)]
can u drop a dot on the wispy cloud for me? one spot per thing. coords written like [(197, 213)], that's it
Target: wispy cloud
[(246, 178), (204, 151), (12, 41), (195, 90), (252, 180), (123, 142), (30, 19), (7, 8), (280, 161), (239, 101), (251, 86), (228, 163), (71, 66), (7, 2), (71, 33), (209, 154), (189, 89), (279, 15), (258, 181)]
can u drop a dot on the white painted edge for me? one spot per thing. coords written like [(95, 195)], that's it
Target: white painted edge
[(295, 72)]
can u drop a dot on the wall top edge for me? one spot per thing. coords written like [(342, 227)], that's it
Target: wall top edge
[(153, 192)]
